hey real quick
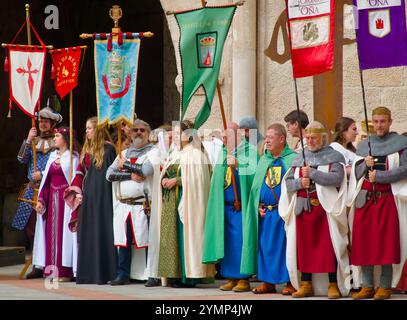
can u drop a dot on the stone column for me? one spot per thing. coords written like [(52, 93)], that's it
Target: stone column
[(244, 56)]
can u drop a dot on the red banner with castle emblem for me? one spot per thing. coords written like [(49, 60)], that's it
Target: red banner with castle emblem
[(66, 63), (311, 27)]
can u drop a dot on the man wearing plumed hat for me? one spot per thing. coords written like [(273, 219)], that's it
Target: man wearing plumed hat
[(25, 217)]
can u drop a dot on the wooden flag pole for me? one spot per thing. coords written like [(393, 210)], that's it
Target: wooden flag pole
[(367, 126), (238, 3), (34, 150), (297, 101), (147, 34), (119, 139), (236, 204), (70, 136), (27, 16)]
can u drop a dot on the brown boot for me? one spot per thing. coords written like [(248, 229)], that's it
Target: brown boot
[(288, 290), (382, 294), (229, 285), (242, 286), (265, 288), (304, 291), (333, 291), (35, 274), (365, 293)]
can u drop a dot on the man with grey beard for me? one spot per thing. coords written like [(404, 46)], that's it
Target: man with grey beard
[(132, 176)]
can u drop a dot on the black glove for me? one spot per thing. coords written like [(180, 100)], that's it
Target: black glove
[(134, 168)]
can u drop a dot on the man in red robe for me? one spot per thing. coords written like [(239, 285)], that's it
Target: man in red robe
[(377, 186)]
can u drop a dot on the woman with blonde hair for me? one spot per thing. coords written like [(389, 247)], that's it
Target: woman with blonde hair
[(90, 197)]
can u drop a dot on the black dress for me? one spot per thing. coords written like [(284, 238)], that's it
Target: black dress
[(97, 255)]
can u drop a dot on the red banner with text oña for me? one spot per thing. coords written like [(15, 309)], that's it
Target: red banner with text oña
[(66, 63), (311, 27)]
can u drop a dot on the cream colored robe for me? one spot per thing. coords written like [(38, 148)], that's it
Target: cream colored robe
[(334, 203), (196, 181), (195, 177), (399, 190), (155, 218)]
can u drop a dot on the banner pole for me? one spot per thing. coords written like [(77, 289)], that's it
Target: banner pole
[(34, 150), (236, 203), (70, 136), (297, 101), (362, 83), (119, 139), (367, 126)]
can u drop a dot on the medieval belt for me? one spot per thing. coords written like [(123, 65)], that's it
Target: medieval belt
[(269, 207), (379, 194), (314, 202), (132, 201), (228, 203)]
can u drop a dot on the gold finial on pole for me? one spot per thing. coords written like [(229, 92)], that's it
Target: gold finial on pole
[(116, 14), (27, 16)]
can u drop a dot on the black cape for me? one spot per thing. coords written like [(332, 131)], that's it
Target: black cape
[(97, 255)]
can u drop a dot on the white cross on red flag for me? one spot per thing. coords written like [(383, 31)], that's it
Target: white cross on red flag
[(26, 77)]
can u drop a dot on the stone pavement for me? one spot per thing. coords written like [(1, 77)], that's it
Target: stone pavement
[(11, 288)]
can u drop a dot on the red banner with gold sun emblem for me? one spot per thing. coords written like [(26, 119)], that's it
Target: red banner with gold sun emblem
[(66, 64)]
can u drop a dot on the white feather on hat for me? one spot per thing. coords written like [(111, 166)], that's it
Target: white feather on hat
[(48, 113)]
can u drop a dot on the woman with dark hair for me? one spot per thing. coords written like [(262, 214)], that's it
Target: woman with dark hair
[(185, 182), (54, 244), (344, 136), (90, 198)]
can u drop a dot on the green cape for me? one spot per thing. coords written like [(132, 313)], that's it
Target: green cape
[(251, 221), (247, 157)]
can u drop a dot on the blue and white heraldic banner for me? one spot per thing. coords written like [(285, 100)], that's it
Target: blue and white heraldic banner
[(116, 80)]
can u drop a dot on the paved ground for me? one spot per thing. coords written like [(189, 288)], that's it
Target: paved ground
[(11, 288)]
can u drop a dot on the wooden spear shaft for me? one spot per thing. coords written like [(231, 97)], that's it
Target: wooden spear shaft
[(237, 205), (34, 150), (119, 139), (70, 136)]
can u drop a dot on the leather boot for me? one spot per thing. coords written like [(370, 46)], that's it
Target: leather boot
[(229, 285), (382, 294), (35, 274), (242, 286), (265, 288), (365, 293), (333, 291), (305, 290), (288, 290)]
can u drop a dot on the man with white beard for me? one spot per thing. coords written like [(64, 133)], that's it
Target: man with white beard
[(132, 175)]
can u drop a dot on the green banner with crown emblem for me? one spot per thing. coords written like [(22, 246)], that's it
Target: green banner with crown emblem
[(203, 34)]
